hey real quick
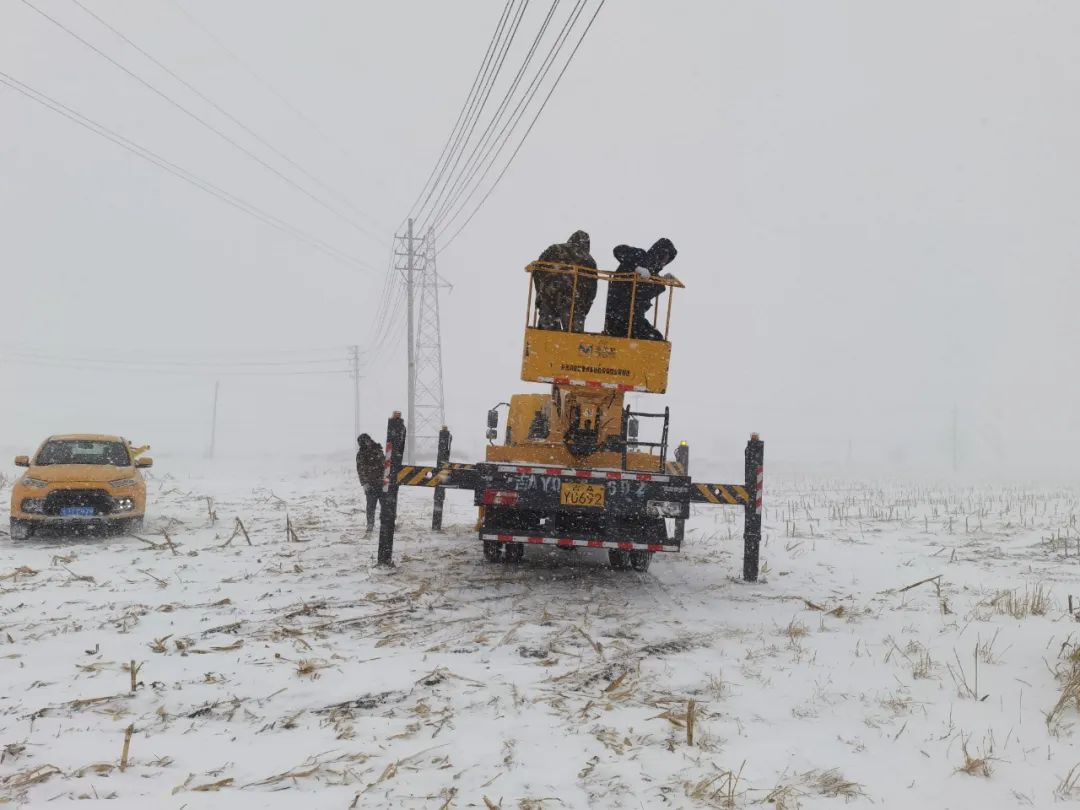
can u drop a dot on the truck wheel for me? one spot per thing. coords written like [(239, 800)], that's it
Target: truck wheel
[(492, 550), (618, 559), (640, 560), (21, 529), (514, 552)]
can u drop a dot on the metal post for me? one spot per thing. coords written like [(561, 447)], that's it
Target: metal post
[(213, 419), (682, 459), (755, 459), (441, 459), (410, 454), (356, 388), (395, 445)]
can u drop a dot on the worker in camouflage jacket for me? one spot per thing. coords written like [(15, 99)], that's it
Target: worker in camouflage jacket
[(370, 467), (555, 291)]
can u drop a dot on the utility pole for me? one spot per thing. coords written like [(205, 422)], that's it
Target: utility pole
[(955, 442), (213, 418), (410, 436), (430, 413), (355, 350), (425, 415)]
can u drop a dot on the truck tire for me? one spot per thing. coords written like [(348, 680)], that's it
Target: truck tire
[(492, 550), (21, 529), (514, 552), (640, 560), (618, 559)]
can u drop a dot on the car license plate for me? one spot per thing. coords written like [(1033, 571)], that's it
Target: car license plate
[(587, 495), (76, 511)]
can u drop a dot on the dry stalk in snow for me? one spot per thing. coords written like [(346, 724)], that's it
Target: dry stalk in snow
[(127, 746), (1070, 692), (1033, 601)]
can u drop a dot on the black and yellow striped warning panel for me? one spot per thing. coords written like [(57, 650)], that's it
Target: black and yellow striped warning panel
[(674, 468), (449, 475), (724, 494)]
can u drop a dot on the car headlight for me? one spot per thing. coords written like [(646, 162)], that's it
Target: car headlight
[(34, 482), (33, 505), (124, 504), (123, 482)]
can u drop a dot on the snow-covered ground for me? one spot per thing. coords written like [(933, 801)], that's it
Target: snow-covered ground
[(289, 673)]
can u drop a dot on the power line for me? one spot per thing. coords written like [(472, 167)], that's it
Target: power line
[(273, 91), (532, 124), (496, 147), (504, 49), (473, 164), (195, 117), (177, 171), (467, 104), (91, 366), (112, 360), (225, 112)]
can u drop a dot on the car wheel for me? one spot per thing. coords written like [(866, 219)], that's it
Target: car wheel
[(492, 550), (132, 525), (21, 529), (618, 559), (514, 552)]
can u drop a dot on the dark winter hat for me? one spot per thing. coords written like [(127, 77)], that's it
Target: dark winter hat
[(662, 252), (579, 240), (629, 256), (362, 438)]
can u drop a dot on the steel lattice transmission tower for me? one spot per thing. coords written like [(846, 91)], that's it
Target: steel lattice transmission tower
[(415, 260)]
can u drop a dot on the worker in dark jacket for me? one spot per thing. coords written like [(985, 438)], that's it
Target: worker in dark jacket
[(645, 264), (556, 291), (369, 467)]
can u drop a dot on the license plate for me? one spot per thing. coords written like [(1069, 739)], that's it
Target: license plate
[(587, 495), (76, 511)]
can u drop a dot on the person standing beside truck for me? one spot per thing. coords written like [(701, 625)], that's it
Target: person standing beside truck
[(369, 467)]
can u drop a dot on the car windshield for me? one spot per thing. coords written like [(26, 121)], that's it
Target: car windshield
[(78, 451)]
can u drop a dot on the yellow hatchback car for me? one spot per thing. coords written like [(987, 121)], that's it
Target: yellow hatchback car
[(80, 482)]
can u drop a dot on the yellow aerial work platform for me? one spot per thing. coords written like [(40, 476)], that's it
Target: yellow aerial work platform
[(619, 362)]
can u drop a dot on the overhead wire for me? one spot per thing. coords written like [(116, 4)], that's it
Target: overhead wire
[(473, 164), (455, 132), (489, 84), (269, 87), (109, 360), (179, 372), (195, 116), (524, 137), (496, 147), (163, 163), (392, 298), (225, 113)]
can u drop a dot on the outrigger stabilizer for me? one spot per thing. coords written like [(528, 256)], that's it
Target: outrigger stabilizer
[(631, 507)]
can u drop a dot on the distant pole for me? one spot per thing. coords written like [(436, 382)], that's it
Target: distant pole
[(356, 389), (213, 418), (955, 443), (410, 439)]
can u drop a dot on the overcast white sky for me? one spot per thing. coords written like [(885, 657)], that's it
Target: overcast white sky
[(876, 208)]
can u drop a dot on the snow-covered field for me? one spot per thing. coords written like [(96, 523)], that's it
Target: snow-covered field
[(290, 673)]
